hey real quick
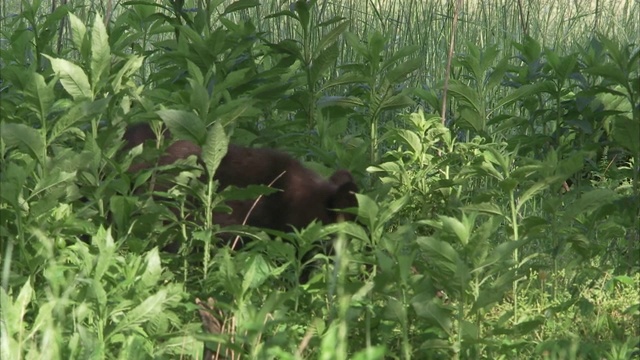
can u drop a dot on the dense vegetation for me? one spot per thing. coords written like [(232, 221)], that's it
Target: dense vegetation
[(499, 211)]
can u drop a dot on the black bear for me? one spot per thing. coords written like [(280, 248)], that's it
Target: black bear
[(302, 196)]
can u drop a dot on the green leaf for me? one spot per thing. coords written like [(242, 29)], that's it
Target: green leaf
[(240, 5), (72, 78), (345, 79), (184, 125), (330, 38), (487, 208), (626, 132), (107, 250), (590, 201), (367, 209), (121, 209), (194, 72), (391, 209), (412, 139), (146, 311), (455, 226), (39, 97), (535, 189), (377, 352), (153, 270), (78, 31), (78, 113), (323, 62), (526, 91), (256, 273), (398, 73), (354, 42), (609, 71), (100, 52), (234, 110), (427, 306), (467, 95), (199, 99), (399, 54), (496, 76), (134, 62), (214, 148), (25, 138), (302, 9), (441, 255), (398, 101), (376, 46), (13, 312), (342, 101)]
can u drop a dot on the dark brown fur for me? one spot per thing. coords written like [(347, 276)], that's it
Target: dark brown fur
[(305, 196)]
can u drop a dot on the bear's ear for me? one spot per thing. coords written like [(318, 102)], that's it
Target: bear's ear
[(345, 194)]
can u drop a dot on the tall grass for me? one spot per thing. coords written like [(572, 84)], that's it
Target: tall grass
[(557, 24)]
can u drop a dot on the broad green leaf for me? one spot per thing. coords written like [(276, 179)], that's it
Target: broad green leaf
[(427, 306), (234, 110), (442, 255), (400, 72), (255, 274), (391, 209), (72, 78), (535, 189), (456, 227), (467, 95), (412, 139), (590, 201), (609, 71), (347, 78), (199, 98), (487, 208), (240, 5), (497, 75), (342, 101), (81, 112), (626, 132), (184, 125), (214, 148), (354, 42), (395, 310), (146, 311), (13, 312), (121, 209), (25, 138), (153, 270), (100, 52), (302, 9), (397, 55), (107, 249), (330, 38), (398, 101), (494, 156), (331, 21), (367, 209), (375, 352), (195, 73), (325, 60), (503, 252), (376, 43), (236, 78), (39, 96), (525, 92), (134, 62), (78, 31)]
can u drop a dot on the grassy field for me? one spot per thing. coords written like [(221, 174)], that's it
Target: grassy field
[(495, 145)]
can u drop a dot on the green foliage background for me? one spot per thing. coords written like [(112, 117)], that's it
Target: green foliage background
[(500, 221)]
